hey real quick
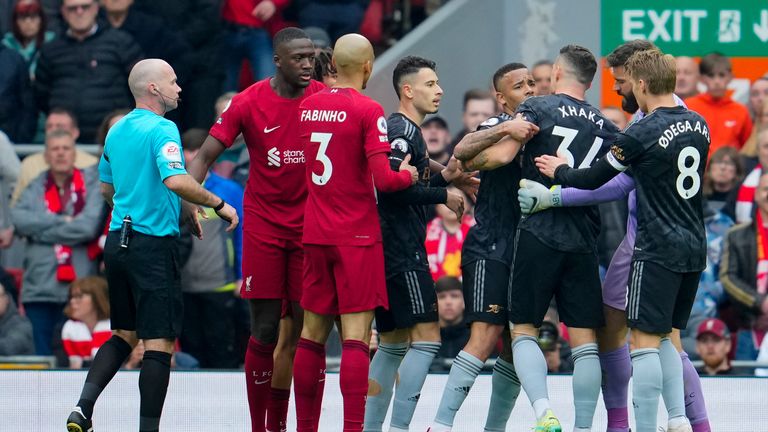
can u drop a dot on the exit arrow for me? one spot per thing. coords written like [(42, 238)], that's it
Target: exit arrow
[(762, 30)]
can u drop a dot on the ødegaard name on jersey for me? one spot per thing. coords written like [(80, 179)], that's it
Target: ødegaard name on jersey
[(324, 115), (676, 129)]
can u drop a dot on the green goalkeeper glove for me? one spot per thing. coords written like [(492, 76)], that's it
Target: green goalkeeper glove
[(535, 197)]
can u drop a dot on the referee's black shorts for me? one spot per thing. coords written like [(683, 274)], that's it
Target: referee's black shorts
[(144, 285), (412, 300), (660, 299), (540, 272), (486, 291)]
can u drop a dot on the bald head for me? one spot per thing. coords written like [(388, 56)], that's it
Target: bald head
[(687, 72), (351, 52), (146, 72)]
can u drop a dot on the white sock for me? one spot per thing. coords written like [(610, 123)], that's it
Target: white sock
[(540, 407), (437, 427), (397, 429), (677, 421)]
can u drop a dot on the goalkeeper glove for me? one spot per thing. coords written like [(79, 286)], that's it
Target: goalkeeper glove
[(535, 197)]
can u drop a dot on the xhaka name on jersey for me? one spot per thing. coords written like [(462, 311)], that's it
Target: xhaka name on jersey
[(676, 129), (572, 111)]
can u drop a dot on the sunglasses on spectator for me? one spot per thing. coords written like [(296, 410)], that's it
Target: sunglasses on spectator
[(75, 8)]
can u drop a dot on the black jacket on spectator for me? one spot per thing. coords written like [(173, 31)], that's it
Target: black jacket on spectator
[(201, 72), (153, 36), (738, 270), (18, 115), (88, 77)]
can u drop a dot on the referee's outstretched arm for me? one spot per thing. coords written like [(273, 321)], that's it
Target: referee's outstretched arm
[(190, 190)]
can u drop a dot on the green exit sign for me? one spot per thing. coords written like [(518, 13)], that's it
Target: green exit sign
[(688, 27)]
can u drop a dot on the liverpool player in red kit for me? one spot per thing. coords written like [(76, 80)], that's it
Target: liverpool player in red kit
[(345, 136), (267, 115)]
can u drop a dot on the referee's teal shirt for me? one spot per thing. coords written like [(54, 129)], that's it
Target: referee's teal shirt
[(142, 150)]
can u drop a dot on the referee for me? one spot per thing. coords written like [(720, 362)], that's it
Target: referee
[(143, 178)]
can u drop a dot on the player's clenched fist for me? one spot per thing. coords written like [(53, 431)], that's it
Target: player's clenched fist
[(520, 129), (455, 202), (405, 165), (548, 164)]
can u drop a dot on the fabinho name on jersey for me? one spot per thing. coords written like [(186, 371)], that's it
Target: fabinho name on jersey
[(323, 115)]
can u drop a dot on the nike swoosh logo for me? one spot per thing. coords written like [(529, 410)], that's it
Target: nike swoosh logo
[(257, 382), (268, 130)]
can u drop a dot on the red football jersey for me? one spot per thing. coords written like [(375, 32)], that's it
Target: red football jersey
[(276, 190), (340, 128)]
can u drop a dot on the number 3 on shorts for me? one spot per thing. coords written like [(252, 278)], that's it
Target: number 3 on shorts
[(324, 139)]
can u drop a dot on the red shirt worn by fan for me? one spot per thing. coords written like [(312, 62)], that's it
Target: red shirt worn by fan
[(341, 128), (276, 190)]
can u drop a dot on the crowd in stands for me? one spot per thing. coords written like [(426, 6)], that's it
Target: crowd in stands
[(63, 81)]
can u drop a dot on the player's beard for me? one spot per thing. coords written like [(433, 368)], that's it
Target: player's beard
[(629, 103)]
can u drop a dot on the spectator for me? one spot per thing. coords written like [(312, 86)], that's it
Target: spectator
[(211, 276), (436, 134), (9, 173), (758, 94), (34, 164), (556, 350), (713, 344), (749, 151), (744, 266), (687, 77), (5, 15), (740, 207), (18, 115), (616, 116), (152, 35), (710, 297), (724, 174), (106, 124), (29, 32), (86, 70), (59, 214), (88, 325), (202, 74), (15, 330), (336, 17), (729, 121), (320, 39), (445, 236), (478, 106), (542, 74), (450, 309), (246, 37)]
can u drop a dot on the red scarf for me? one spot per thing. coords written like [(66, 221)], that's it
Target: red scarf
[(746, 197), (444, 248), (65, 271), (762, 254)]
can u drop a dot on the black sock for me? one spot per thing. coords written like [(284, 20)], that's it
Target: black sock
[(153, 385), (107, 362)]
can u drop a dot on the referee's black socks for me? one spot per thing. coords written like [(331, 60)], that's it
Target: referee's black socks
[(108, 360), (153, 385)]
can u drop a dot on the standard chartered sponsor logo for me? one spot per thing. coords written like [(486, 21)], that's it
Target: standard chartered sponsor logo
[(273, 157), (276, 159)]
